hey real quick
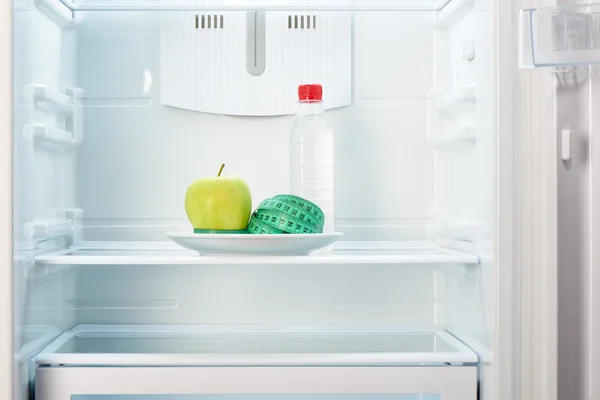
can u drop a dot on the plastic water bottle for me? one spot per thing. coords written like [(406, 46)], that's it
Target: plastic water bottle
[(311, 153)]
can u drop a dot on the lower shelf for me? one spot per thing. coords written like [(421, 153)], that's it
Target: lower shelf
[(245, 363), (97, 345), (248, 363)]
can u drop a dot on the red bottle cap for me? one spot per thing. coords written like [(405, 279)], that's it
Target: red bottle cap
[(310, 92)]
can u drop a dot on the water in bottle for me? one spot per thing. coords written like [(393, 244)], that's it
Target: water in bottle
[(311, 153)]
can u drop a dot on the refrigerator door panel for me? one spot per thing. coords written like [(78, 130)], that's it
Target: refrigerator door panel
[(537, 232), (559, 203)]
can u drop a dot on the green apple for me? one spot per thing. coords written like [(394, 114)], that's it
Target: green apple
[(219, 203)]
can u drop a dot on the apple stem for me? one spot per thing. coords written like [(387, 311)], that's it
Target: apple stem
[(221, 170)]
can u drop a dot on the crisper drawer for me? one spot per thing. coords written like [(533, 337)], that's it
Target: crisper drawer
[(247, 363)]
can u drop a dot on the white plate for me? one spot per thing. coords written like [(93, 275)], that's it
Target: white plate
[(300, 245)]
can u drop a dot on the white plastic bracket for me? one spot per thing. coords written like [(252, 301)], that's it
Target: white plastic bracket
[(49, 99), (48, 136), (63, 224), (46, 229), (465, 95), (52, 100)]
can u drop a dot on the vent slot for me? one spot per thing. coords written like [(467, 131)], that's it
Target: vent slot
[(212, 22), (302, 22)]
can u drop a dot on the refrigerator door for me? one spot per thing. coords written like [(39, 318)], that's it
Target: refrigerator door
[(560, 308), (6, 299)]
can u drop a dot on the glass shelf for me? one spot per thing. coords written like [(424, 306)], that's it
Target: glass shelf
[(560, 36), (97, 345), (167, 253), (207, 5)]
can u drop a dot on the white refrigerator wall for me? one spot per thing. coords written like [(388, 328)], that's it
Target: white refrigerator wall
[(464, 123), (139, 156), (44, 182)]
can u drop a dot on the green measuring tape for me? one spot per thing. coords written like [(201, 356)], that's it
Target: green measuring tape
[(257, 227), (286, 213), (284, 222), (296, 207)]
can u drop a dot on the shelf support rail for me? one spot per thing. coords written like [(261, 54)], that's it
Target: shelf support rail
[(54, 101), (63, 224)]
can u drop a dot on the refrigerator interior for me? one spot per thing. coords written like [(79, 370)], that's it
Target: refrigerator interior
[(102, 165)]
